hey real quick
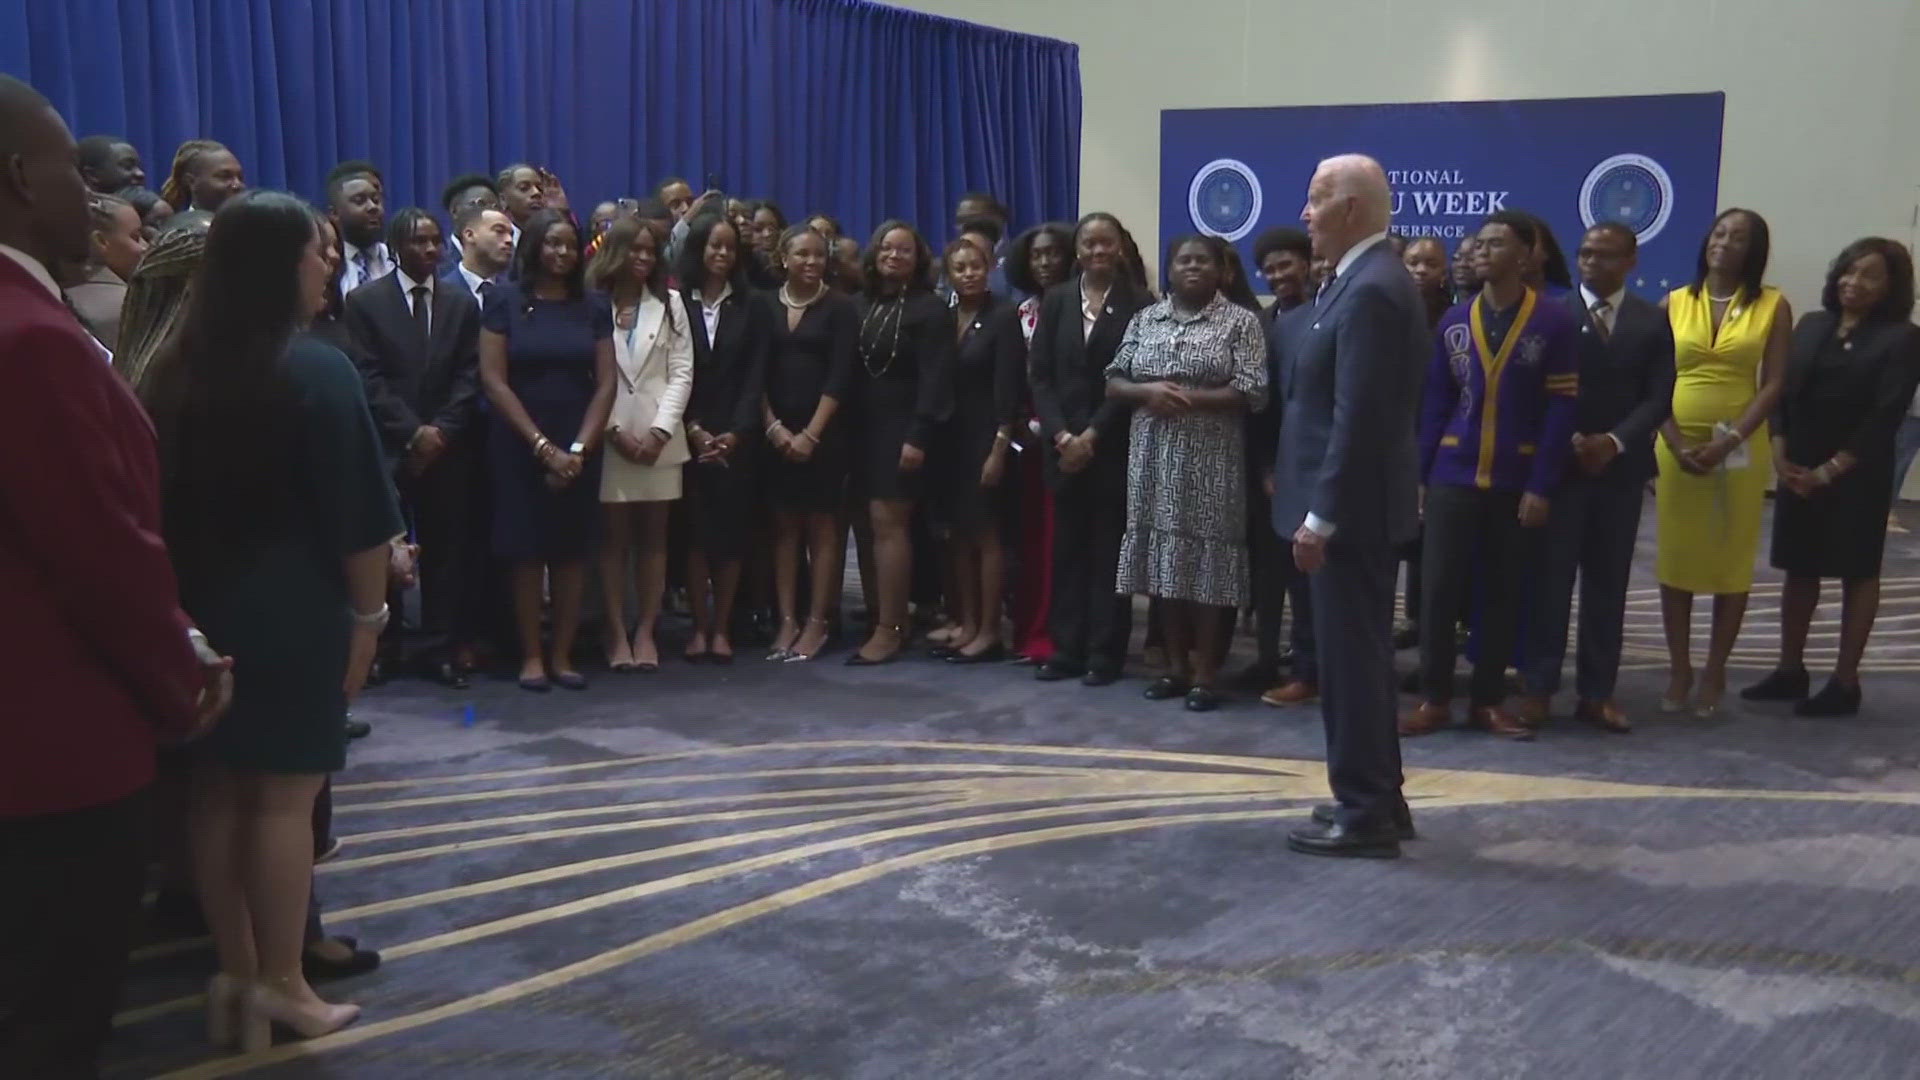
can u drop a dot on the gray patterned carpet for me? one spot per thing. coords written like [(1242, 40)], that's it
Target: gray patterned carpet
[(810, 871)]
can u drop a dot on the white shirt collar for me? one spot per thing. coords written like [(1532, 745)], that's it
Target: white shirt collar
[(33, 268), (407, 284), (1613, 302), (1358, 250), (473, 280)]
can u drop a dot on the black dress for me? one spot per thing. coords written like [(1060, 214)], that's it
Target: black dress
[(729, 373), (1842, 394), (550, 367), (902, 388), (989, 384), (282, 611), (811, 361)]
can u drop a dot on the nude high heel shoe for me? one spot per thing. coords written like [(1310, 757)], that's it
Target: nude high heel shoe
[(225, 1002), (267, 1005)]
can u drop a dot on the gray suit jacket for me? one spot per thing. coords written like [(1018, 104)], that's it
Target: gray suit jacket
[(98, 301), (1347, 371)]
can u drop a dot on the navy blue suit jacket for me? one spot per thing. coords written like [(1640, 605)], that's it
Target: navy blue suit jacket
[(1348, 371), (1626, 382)]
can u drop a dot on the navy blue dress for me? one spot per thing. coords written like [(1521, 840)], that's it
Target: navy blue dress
[(550, 354)]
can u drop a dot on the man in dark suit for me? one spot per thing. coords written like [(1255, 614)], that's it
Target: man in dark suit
[(107, 664), (1626, 392), (356, 201), (1283, 256), (1345, 490), (419, 355)]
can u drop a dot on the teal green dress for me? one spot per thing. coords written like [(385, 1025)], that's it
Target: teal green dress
[(283, 612)]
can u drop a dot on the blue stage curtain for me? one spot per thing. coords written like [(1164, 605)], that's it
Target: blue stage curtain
[(851, 108)]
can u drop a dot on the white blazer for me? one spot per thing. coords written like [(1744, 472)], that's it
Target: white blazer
[(654, 364)]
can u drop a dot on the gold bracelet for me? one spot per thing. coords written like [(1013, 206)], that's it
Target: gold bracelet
[(541, 444)]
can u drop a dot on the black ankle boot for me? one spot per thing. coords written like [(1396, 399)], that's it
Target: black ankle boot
[(1832, 700), (1781, 685)]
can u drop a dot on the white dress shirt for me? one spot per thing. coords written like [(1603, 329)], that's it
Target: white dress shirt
[(474, 281), (1606, 319), (379, 263), (1315, 523)]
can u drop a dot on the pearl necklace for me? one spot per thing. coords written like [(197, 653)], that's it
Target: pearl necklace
[(787, 297)]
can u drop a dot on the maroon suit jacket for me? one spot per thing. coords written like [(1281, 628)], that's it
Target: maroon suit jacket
[(93, 643)]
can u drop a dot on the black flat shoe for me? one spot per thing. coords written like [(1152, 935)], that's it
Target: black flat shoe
[(1058, 671), (1201, 699), (1164, 688), (571, 680), (1339, 841), (1780, 686), (358, 729), (1325, 814), (449, 675), (942, 652), (994, 655), (320, 969), (1100, 677), (537, 686), (1832, 700)]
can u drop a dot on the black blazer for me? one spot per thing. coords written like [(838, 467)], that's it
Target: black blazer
[(1626, 382), (991, 360), (729, 374), (408, 384), (1879, 375), (1067, 372)]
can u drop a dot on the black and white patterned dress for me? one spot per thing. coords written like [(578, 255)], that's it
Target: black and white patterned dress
[(1186, 508)]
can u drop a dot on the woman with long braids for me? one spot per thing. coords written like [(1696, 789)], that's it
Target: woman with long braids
[(641, 479), (730, 335), (157, 294), (903, 389), (809, 368)]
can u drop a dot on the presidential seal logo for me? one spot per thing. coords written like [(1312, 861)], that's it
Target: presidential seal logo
[(1632, 189), (1224, 199)]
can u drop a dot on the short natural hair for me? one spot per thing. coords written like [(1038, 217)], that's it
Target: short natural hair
[(1282, 238), (1627, 235), (463, 183)]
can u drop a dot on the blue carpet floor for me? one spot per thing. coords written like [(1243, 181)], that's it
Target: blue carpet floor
[(772, 870)]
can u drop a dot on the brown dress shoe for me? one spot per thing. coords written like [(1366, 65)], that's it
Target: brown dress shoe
[(1534, 709), (1499, 721), (1604, 714), (1293, 693), (1429, 717)]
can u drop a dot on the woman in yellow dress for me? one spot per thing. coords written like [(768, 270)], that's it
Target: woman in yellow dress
[(1730, 335)]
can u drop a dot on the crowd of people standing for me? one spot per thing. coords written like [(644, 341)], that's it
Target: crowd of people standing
[(700, 402)]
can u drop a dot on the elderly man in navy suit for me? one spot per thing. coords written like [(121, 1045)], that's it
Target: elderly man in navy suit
[(1346, 490)]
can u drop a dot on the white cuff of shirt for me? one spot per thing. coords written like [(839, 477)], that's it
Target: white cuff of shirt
[(201, 648), (1618, 446), (1319, 526)]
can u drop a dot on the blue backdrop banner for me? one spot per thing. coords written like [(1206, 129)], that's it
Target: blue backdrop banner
[(852, 108), (1652, 163)]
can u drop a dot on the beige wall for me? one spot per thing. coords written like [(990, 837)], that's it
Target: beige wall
[(1823, 96)]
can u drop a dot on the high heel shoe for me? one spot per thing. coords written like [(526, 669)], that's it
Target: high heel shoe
[(1706, 703), (857, 660), (225, 998), (795, 656), (1673, 705), (266, 1006)]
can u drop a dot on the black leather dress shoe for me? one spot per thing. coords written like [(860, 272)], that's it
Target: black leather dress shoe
[(1164, 687), (358, 729), (1058, 671), (1780, 686), (319, 968), (1371, 841), (1202, 699), (449, 675), (1100, 676), (1326, 814), (1832, 700)]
